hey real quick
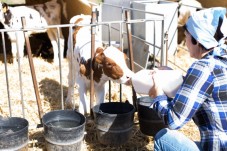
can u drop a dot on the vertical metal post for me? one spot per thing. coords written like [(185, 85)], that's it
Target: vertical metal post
[(93, 30), (121, 48), (129, 35), (60, 69), (121, 44), (154, 52), (71, 65), (163, 49), (6, 71), (19, 71), (32, 71), (167, 47), (109, 29)]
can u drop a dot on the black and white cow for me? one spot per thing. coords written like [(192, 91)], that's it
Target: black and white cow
[(36, 16)]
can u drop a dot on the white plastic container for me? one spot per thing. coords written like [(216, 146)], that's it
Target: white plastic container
[(170, 81)]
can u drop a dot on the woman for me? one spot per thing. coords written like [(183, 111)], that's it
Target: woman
[(203, 94)]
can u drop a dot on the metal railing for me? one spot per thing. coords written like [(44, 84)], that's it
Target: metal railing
[(109, 24)]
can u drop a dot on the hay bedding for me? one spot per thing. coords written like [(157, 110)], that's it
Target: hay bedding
[(48, 80)]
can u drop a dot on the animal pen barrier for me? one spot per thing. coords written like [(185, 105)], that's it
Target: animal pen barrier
[(124, 41)]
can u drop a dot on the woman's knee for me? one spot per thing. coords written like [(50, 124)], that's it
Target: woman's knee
[(167, 139), (161, 133)]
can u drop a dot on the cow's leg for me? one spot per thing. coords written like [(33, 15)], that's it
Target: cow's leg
[(73, 64), (71, 81), (100, 93), (62, 44), (84, 103), (54, 44), (52, 34), (14, 50), (17, 46)]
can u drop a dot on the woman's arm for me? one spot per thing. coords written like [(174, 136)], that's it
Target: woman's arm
[(193, 92)]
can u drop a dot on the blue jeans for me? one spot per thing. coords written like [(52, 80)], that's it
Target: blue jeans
[(172, 140)]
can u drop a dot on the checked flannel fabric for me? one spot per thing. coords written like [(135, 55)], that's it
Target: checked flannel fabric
[(203, 98)]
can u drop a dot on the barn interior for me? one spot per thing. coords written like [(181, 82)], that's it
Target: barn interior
[(49, 83)]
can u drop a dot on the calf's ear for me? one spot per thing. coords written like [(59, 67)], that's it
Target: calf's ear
[(99, 50), (111, 69), (99, 55), (117, 72), (97, 62)]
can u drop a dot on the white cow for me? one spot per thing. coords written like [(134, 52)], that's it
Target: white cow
[(36, 16), (186, 7), (108, 64)]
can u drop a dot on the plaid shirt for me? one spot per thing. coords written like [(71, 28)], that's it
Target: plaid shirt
[(203, 97)]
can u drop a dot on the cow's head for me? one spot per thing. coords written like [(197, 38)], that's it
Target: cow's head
[(5, 14), (108, 64), (112, 62)]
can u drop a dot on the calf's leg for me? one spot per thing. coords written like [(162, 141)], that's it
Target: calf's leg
[(84, 103), (100, 93)]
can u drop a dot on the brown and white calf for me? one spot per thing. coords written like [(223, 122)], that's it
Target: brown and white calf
[(36, 16), (108, 64)]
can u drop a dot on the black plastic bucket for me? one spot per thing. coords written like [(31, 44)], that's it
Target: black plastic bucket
[(149, 121), (114, 122), (63, 130), (13, 134)]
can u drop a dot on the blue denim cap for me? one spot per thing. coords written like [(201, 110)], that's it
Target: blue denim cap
[(202, 25)]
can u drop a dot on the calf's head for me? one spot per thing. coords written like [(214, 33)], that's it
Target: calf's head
[(111, 62), (108, 64)]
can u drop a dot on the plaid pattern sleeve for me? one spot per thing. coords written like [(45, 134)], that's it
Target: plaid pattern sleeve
[(203, 97)]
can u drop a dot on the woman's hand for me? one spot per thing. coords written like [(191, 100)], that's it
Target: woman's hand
[(156, 90)]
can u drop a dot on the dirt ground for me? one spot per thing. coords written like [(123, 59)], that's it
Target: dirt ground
[(48, 80)]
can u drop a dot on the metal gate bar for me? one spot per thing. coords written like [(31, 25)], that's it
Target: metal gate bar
[(6, 72)]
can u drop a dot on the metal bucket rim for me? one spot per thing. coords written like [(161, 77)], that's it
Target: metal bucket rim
[(96, 109), (83, 120), (144, 101), (23, 120)]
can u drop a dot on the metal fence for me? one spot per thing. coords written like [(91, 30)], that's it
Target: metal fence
[(123, 27)]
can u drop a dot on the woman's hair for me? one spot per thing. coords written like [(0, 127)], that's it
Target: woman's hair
[(193, 40), (218, 35)]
